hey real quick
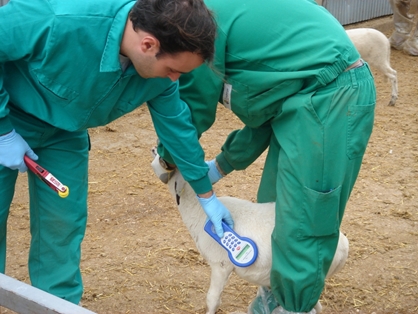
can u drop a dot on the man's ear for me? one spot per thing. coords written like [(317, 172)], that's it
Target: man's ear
[(150, 44)]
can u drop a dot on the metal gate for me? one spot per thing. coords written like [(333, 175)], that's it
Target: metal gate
[(353, 11)]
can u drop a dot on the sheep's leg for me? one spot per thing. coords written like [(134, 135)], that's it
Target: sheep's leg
[(340, 256), (218, 279), (391, 75), (318, 307)]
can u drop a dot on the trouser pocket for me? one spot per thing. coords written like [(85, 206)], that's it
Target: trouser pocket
[(320, 213), (359, 128)]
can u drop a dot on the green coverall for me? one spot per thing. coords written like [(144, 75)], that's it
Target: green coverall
[(280, 66), (60, 74)]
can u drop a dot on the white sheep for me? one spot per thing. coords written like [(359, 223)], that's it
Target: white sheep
[(252, 220), (374, 48)]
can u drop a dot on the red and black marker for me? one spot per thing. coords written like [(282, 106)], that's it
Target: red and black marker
[(47, 177)]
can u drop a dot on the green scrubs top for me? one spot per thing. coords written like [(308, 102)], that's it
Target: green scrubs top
[(263, 57), (71, 77)]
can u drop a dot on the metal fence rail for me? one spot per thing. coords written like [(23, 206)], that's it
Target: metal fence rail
[(25, 299)]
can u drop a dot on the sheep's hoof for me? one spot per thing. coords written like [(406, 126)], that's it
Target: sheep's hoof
[(393, 100)]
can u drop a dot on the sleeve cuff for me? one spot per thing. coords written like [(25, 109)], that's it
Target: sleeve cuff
[(202, 185), (225, 166), (5, 125)]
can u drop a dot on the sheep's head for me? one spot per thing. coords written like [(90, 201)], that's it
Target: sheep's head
[(173, 178)]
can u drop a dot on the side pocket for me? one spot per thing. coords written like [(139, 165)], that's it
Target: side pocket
[(359, 128), (321, 213)]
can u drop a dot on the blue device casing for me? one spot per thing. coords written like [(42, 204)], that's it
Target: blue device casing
[(209, 228)]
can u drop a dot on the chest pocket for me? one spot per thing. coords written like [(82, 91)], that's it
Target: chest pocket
[(54, 91)]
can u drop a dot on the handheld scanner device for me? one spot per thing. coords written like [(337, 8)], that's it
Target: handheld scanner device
[(47, 177), (241, 251)]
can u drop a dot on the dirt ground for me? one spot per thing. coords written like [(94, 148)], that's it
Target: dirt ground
[(139, 258)]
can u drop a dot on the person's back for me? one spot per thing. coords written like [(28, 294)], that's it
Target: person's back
[(274, 49), (281, 35)]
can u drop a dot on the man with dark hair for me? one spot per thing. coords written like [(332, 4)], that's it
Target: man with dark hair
[(66, 66), (166, 23), (298, 84)]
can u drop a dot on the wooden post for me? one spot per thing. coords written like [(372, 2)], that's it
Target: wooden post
[(25, 299)]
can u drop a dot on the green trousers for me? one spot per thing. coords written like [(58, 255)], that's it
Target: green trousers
[(312, 164), (57, 225)]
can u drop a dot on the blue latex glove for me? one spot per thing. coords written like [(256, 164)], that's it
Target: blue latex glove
[(216, 212), (214, 174), (12, 149)]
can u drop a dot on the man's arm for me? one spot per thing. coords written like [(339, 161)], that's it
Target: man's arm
[(243, 147), (23, 32), (172, 122)]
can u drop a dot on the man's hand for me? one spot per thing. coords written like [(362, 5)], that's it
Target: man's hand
[(216, 212), (214, 173), (12, 150)]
